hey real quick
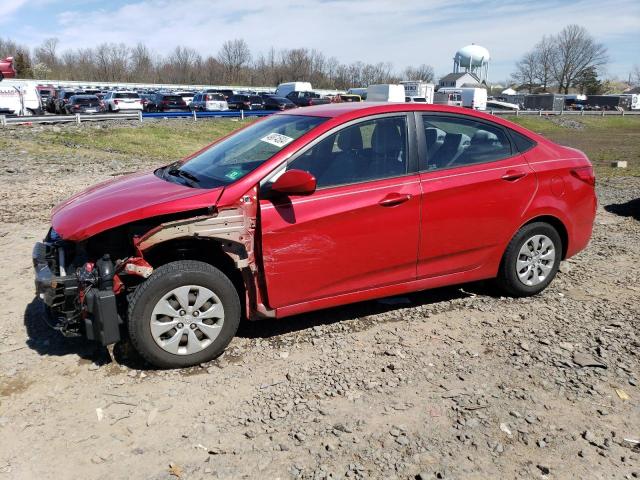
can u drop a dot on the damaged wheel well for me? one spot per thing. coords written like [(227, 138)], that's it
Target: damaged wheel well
[(208, 250)]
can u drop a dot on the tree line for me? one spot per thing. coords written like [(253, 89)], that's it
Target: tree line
[(232, 64), (570, 59)]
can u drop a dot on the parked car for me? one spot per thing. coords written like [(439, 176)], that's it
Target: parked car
[(62, 98), (348, 97), (167, 102), (209, 102), (7, 68), (84, 104), (299, 212), (307, 99), (278, 103), (121, 101), (45, 92), (225, 92), (245, 102), (145, 98), (186, 96)]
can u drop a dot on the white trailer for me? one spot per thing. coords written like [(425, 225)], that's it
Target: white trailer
[(285, 89), (19, 98), (472, 97), (385, 92), (634, 100), (418, 88)]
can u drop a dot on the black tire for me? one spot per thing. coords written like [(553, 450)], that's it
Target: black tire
[(508, 279), (162, 281)]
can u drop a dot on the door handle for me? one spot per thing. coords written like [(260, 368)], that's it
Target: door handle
[(394, 199), (513, 175)]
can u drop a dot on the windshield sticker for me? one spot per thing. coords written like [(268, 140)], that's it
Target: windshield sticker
[(234, 174), (277, 139)]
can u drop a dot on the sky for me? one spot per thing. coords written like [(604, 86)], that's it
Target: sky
[(403, 32)]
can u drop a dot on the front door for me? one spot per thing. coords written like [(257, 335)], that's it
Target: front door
[(359, 230)]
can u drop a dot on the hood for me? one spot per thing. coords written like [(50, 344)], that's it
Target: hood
[(124, 200)]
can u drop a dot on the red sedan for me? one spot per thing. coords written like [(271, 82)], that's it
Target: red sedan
[(7, 69), (302, 211)]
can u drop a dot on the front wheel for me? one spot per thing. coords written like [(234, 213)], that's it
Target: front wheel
[(531, 260), (184, 314)]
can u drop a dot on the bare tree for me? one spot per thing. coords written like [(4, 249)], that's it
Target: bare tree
[(544, 55), (232, 65), (526, 71), (47, 54), (575, 51), (142, 66), (422, 72), (634, 77), (234, 55)]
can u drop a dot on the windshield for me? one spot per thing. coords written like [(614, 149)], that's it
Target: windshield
[(233, 158)]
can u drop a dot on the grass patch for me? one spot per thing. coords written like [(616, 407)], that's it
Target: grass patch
[(158, 140), (603, 139)]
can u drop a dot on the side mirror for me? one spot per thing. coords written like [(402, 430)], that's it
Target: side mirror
[(295, 182)]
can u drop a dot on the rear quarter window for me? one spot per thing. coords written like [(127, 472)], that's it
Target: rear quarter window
[(521, 142)]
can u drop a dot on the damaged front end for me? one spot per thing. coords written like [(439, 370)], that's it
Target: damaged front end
[(82, 296), (85, 284)]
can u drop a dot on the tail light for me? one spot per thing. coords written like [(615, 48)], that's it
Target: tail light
[(310, 101), (585, 174), (246, 103), (116, 101)]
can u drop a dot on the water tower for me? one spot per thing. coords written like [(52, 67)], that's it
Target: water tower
[(474, 59)]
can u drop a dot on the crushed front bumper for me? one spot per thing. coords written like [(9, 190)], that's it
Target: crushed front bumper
[(53, 286), (77, 308)]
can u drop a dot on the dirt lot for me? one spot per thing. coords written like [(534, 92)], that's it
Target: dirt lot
[(451, 383)]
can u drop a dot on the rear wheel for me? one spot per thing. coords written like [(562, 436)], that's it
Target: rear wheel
[(531, 260), (184, 314)]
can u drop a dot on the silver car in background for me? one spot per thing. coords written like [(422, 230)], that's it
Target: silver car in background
[(209, 102)]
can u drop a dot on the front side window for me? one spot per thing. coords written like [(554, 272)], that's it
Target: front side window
[(366, 151), (241, 153), (456, 142)]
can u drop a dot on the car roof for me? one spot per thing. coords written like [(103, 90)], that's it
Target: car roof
[(354, 110)]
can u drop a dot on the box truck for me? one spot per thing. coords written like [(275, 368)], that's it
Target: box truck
[(472, 97), (285, 89), (385, 93), (418, 89)]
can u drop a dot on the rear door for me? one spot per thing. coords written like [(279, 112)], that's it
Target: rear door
[(359, 230), (476, 190)]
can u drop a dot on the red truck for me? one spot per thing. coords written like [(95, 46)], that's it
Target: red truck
[(298, 212), (7, 68)]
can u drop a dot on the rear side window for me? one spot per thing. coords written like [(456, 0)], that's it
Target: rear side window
[(127, 95), (521, 142), (456, 142)]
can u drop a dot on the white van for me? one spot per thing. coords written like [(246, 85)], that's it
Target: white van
[(285, 89), (19, 98), (472, 97), (385, 92)]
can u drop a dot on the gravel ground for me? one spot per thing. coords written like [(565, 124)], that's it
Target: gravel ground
[(451, 383)]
